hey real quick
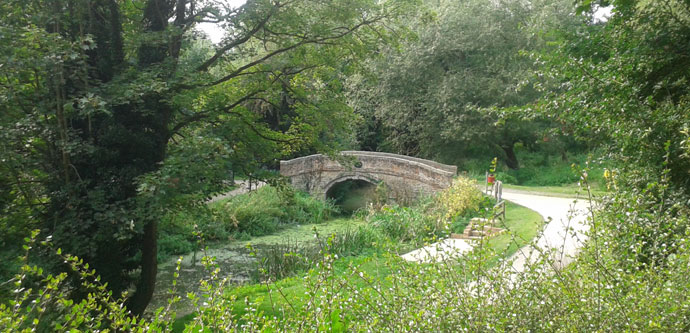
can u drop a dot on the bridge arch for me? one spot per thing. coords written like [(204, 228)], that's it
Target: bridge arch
[(406, 177), (344, 178)]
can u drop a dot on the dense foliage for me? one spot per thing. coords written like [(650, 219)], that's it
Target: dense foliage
[(387, 228), (623, 85), (257, 213), (115, 115), (445, 94), (95, 92)]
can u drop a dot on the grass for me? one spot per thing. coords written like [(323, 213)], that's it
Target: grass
[(305, 232), (523, 223), (293, 289)]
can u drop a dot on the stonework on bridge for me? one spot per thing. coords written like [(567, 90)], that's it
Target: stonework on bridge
[(406, 177)]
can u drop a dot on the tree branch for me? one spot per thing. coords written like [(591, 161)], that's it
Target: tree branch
[(208, 63), (317, 40), (257, 132), (203, 115)]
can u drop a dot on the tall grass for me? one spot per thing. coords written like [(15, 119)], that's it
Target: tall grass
[(403, 226), (288, 258), (257, 213)]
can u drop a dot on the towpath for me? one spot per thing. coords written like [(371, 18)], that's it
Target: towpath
[(243, 186), (562, 236), (564, 233)]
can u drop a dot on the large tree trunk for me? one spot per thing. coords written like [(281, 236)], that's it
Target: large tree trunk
[(149, 269), (511, 159), (156, 16), (93, 207)]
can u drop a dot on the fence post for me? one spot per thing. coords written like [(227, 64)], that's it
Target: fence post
[(499, 190), (486, 182)]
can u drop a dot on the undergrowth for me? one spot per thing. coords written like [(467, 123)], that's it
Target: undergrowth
[(543, 169), (398, 226), (257, 213), (632, 275)]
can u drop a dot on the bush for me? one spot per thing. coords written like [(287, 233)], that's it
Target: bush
[(309, 210), (174, 244), (403, 223), (433, 216), (177, 231), (257, 213), (267, 209), (459, 224), (540, 168), (42, 302), (461, 198), (632, 275), (506, 178), (556, 174)]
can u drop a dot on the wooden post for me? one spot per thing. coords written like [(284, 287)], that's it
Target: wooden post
[(488, 189)]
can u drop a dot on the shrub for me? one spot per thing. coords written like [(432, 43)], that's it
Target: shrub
[(433, 215), (177, 231), (632, 275), (43, 302), (265, 210), (309, 210), (459, 224), (174, 244), (403, 223), (462, 197), (506, 178)]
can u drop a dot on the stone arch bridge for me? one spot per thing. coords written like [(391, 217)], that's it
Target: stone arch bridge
[(406, 177)]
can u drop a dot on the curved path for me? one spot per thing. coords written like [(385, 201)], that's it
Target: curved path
[(242, 187), (564, 233), (562, 236)]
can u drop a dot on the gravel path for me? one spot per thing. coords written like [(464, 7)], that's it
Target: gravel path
[(439, 251), (242, 187), (563, 235)]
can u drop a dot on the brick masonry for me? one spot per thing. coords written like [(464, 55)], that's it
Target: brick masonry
[(407, 177)]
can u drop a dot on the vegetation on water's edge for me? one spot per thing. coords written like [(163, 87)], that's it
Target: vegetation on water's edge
[(261, 212), (304, 233), (378, 262), (387, 229)]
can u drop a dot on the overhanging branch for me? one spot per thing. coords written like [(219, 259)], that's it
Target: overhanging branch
[(208, 63), (204, 115), (317, 40)]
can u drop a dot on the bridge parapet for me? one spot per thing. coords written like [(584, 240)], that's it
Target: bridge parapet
[(407, 177)]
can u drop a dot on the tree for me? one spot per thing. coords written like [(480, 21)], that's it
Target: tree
[(97, 89), (623, 84), (448, 91)]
